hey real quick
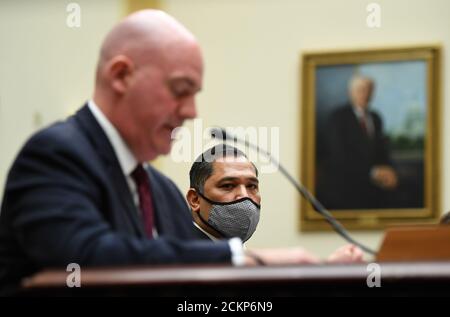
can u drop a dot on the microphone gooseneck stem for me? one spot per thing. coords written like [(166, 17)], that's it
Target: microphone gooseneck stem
[(335, 224)]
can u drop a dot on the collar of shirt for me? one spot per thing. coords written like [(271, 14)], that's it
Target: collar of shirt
[(126, 159), (213, 238), (368, 118), (358, 112)]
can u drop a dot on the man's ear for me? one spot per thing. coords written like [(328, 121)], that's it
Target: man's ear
[(193, 199), (119, 70)]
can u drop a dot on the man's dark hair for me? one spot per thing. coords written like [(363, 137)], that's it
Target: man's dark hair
[(202, 168)]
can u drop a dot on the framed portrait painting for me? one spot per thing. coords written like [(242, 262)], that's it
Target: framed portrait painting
[(371, 136)]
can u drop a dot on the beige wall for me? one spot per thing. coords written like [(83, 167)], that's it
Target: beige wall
[(251, 50), (46, 68)]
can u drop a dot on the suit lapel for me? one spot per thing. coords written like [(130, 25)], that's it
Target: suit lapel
[(120, 185), (115, 176), (162, 224)]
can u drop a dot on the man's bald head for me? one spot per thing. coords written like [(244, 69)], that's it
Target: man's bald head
[(149, 71), (144, 36)]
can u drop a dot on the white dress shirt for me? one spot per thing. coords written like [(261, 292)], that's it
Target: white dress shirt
[(126, 159)]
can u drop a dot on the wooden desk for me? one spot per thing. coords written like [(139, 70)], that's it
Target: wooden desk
[(422, 278)]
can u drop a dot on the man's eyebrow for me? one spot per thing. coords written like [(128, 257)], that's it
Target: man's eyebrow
[(254, 179), (230, 178), (187, 80), (227, 179)]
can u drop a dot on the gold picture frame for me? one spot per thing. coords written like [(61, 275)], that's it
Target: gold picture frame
[(405, 111)]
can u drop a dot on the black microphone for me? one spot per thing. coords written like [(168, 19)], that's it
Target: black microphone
[(220, 133)]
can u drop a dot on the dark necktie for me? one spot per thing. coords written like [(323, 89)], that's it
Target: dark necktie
[(142, 181), (363, 123)]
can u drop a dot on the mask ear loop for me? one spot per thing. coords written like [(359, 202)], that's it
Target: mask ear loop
[(203, 219), (205, 198), (226, 203), (209, 225)]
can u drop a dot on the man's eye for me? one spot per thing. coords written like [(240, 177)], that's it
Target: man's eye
[(227, 186), (181, 89), (253, 186), (180, 93)]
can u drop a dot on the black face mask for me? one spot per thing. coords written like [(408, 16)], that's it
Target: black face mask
[(237, 218)]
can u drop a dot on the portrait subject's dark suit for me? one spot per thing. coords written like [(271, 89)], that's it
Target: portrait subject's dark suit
[(67, 201), (351, 154)]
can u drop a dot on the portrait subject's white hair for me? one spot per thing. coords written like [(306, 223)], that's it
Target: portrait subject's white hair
[(357, 80)]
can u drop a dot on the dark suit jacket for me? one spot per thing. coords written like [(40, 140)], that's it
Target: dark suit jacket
[(66, 200), (350, 157), (200, 234)]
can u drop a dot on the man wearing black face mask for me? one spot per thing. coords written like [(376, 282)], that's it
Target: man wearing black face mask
[(225, 200), (224, 195)]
